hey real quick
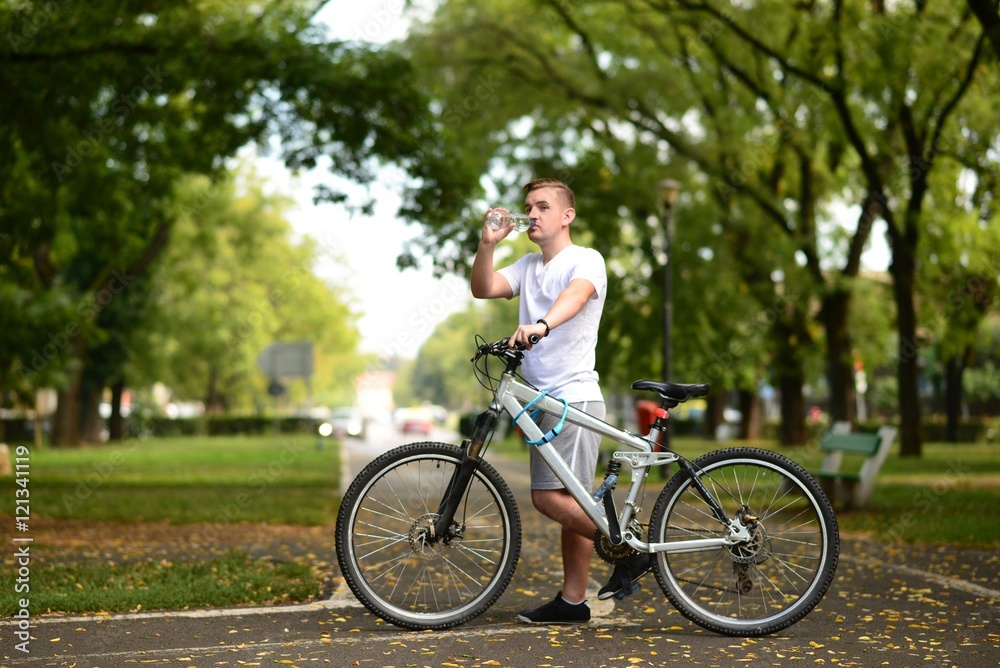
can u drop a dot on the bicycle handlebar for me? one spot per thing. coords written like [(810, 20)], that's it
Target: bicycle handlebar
[(501, 346)]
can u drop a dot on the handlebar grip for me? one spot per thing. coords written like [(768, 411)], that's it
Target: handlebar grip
[(534, 338)]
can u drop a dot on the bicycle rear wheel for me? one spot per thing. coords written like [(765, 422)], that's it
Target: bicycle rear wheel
[(387, 559), (756, 587)]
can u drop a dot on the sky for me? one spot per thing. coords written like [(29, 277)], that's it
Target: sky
[(399, 309)]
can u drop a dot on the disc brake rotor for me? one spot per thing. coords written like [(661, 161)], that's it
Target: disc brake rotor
[(419, 536), (757, 550)]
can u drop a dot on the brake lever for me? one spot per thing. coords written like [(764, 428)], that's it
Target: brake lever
[(482, 350), (500, 347)]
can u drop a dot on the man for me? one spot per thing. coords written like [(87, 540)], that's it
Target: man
[(562, 290)]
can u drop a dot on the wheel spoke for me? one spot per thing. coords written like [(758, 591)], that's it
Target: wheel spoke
[(393, 560), (762, 584)]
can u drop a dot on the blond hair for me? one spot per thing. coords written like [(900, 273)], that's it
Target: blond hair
[(564, 190)]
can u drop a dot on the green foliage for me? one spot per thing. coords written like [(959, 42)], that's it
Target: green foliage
[(109, 106), (882, 107), (235, 579), (220, 481), (233, 281), (442, 373)]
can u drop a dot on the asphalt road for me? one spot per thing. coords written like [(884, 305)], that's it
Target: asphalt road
[(892, 605)]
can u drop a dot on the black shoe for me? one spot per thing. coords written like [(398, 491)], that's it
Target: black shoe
[(625, 578), (557, 611)]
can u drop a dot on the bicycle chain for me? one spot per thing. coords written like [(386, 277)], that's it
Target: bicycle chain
[(616, 554), (609, 552)]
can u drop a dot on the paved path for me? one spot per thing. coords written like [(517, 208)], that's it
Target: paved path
[(889, 605)]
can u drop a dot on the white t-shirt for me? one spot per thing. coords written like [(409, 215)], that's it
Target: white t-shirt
[(562, 362)]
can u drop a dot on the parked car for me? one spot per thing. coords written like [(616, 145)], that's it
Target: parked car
[(347, 421), (415, 421)]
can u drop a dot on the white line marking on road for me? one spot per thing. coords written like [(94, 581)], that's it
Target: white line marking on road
[(341, 598), (943, 580), (303, 644)]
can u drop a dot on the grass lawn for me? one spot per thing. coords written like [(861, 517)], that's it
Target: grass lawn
[(235, 579), (280, 479), (945, 496), (216, 482)]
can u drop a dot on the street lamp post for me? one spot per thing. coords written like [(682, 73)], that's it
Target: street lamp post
[(669, 192)]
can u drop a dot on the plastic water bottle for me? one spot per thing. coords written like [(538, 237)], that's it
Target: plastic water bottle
[(498, 220)]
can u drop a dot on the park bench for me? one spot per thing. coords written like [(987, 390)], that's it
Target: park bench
[(853, 487)]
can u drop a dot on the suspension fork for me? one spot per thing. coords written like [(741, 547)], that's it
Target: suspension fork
[(460, 479)]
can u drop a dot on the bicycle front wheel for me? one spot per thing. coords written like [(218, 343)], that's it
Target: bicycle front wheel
[(759, 586), (383, 545)]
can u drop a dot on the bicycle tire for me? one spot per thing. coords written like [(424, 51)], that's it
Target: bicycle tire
[(762, 586), (410, 583)]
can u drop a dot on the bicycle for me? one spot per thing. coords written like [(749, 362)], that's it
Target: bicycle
[(744, 541)]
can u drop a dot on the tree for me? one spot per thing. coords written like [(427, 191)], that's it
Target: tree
[(958, 280), (988, 14), (109, 104), (603, 70), (442, 374), (233, 282), (787, 122), (898, 119)]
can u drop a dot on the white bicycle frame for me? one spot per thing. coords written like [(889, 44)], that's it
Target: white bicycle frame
[(512, 395)]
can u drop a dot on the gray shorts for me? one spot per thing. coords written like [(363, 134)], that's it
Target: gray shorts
[(578, 446)]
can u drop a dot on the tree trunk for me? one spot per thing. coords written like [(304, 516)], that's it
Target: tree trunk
[(793, 410), (715, 405), (92, 424), (791, 335), (903, 271), (986, 12), (116, 424), (215, 402), (751, 425), (66, 421), (954, 367), (839, 365), (67, 418)]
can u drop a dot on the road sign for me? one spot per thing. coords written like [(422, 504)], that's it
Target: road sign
[(287, 360)]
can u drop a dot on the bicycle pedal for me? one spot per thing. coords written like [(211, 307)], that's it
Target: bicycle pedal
[(625, 591)]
